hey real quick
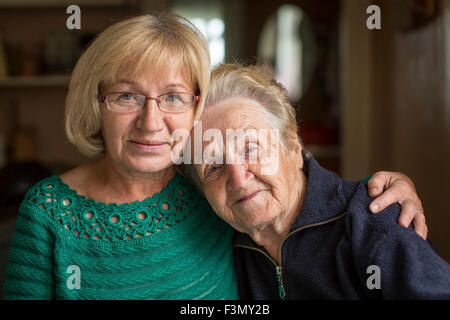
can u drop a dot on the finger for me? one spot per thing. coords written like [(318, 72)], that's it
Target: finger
[(420, 226), (398, 191), (377, 183), (418, 205), (407, 214), (382, 202)]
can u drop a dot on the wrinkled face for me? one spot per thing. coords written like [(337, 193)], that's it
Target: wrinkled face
[(142, 141), (241, 190)]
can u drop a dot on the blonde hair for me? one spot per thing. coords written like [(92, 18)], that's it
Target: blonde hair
[(256, 83), (131, 48)]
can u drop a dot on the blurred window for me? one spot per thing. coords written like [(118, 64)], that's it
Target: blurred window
[(207, 16), (287, 45)]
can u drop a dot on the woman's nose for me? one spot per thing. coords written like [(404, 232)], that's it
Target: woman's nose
[(238, 176), (150, 118)]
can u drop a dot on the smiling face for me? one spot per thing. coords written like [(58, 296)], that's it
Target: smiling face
[(239, 192), (142, 141)]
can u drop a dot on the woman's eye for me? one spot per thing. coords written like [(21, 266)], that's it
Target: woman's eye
[(211, 170), (251, 150), (126, 96), (172, 98), (252, 153)]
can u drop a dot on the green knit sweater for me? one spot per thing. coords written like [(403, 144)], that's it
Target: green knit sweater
[(169, 246)]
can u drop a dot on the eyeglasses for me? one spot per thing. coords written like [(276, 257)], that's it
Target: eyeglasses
[(173, 102)]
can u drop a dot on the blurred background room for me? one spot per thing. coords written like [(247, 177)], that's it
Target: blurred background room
[(366, 99)]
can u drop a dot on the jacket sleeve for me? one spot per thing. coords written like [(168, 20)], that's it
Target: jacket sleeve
[(410, 268), (29, 274)]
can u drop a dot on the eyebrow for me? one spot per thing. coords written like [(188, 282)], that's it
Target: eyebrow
[(170, 86), (176, 85)]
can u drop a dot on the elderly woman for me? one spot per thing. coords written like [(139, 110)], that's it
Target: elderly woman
[(304, 233), (126, 225)]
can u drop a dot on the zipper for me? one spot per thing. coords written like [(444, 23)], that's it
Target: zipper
[(278, 268), (281, 291)]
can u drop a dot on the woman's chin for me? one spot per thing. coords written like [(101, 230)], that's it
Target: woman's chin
[(254, 217), (147, 166)]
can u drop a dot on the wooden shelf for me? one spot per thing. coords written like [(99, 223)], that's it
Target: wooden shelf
[(35, 81)]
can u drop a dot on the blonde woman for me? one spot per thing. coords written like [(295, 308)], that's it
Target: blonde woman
[(126, 225)]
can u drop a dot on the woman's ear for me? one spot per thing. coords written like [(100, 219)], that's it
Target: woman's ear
[(294, 144)]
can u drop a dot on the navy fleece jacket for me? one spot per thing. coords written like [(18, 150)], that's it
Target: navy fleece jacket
[(336, 249)]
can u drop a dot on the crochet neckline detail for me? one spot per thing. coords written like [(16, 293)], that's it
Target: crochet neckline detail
[(89, 219), (174, 181)]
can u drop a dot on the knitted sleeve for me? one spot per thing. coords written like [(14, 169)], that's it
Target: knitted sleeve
[(29, 274)]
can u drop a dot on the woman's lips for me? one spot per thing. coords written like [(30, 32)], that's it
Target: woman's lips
[(149, 145), (248, 197)]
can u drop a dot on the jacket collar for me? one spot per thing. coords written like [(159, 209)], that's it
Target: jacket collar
[(324, 198)]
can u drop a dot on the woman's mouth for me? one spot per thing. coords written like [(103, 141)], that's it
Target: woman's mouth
[(148, 145), (248, 197)]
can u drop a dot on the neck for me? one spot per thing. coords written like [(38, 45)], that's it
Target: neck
[(272, 235), (121, 185)]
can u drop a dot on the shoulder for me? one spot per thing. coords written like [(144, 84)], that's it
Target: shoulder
[(358, 209), (51, 192), (38, 205), (367, 231), (40, 191)]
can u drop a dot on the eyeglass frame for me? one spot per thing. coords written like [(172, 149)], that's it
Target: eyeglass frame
[(104, 100)]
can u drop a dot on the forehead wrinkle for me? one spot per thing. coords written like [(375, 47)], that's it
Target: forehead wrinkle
[(234, 115), (243, 119), (133, 70), (132, 83)]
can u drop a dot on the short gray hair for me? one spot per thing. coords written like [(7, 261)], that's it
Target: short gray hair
[(256, 83)]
